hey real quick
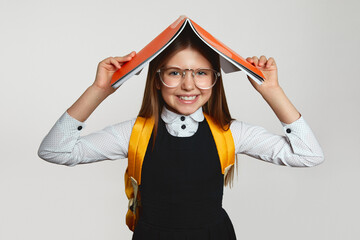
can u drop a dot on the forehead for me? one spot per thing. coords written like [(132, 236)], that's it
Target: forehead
[(188, 58)]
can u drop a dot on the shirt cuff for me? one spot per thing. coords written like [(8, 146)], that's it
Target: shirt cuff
[(302, 139), (69, 123)]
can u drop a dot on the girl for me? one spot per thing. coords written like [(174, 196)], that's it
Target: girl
[(181, 179)]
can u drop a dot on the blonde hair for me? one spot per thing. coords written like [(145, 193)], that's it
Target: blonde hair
[(216, 107)]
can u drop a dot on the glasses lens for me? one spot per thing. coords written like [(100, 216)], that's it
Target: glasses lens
[(205, 78), (171, 76)]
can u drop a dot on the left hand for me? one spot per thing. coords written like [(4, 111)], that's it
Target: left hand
[(269, 69)]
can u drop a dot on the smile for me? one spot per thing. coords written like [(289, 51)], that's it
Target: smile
[(187, 98)]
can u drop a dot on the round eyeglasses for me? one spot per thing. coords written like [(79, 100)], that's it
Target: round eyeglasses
[(204, 78)]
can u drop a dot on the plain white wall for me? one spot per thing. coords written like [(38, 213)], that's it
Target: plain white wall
[(49, 51)]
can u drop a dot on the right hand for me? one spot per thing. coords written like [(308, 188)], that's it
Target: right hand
[(106, 69)]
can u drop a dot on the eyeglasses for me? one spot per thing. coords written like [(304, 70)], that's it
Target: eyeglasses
[(204, 78)]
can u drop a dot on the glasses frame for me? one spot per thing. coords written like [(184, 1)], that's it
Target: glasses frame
[(216, 73)]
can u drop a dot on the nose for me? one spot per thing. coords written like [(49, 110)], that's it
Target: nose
[(188, 83)]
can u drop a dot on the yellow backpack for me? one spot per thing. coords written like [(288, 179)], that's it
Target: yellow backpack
[(139, 140)]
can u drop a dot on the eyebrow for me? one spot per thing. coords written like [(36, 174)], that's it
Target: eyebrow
[(167, 66)]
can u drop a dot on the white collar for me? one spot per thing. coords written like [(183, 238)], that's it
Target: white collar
[(169, 117)]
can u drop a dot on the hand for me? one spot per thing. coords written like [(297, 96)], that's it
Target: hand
[(106, 69), (269, 69)]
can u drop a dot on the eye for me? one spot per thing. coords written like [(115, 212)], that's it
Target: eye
[(174, 73), (202, 72)]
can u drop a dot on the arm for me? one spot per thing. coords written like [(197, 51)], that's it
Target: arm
[(63, 144), (100, 89), (271, 91), (298, 148)]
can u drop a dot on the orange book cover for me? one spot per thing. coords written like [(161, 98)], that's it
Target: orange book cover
[(230, 61)]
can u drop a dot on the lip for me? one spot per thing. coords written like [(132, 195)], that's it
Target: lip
[(187, 101)]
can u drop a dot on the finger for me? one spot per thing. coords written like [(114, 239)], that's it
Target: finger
[(270, 62), (256, 60), (131, 54), (126, 58), (115, 63), (262, 60), (123, 59), (249, 59), (106, 60)]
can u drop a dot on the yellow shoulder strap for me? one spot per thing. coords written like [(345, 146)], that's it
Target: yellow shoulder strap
[(224, 144), (139, 140)]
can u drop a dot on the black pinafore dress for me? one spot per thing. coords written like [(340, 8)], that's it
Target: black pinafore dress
[(182, 189)]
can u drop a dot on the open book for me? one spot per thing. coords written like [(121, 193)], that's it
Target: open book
[(229, 60)]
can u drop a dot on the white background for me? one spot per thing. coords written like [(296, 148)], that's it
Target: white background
[(49, 51)]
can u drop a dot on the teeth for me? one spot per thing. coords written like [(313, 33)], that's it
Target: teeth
[(187, 98)]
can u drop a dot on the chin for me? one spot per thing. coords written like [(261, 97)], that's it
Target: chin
[(187, 111), (182, 110)]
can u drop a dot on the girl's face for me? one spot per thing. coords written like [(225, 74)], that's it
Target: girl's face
[(186, 98)]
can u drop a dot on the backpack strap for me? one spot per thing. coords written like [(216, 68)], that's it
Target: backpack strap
[(139, 140), (224, 144)]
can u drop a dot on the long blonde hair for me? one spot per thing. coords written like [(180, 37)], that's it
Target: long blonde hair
[(216, 107)]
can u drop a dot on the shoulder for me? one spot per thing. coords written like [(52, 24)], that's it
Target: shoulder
[(241, 131), (122, 129), (237, 127), (128, 124)]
